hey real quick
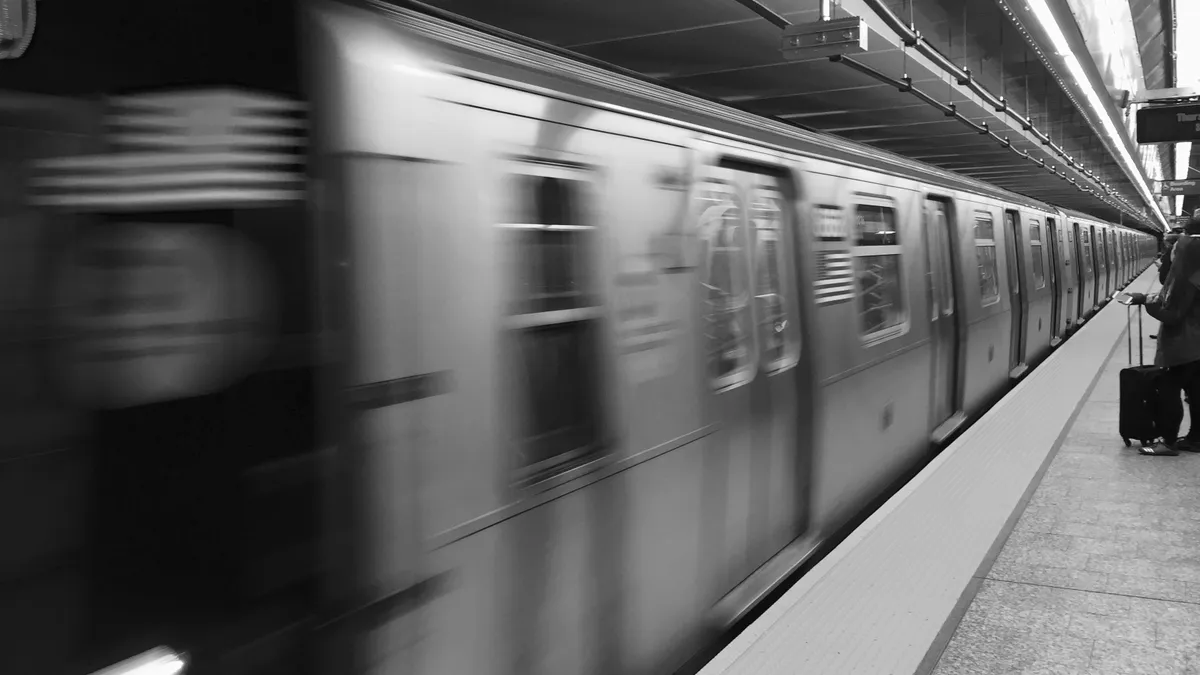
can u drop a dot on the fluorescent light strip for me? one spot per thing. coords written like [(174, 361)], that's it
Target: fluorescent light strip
[(1041, 11)]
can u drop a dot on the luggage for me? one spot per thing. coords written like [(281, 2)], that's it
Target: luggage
[(1141, 392)]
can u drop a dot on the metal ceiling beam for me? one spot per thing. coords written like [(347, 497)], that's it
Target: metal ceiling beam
[(1049, 28), (912, 38), (951, 111)]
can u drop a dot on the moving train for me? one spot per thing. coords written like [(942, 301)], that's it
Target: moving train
[(572, 374), (654, 350)]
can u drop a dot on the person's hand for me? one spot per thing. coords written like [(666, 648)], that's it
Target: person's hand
[(1137, 298)]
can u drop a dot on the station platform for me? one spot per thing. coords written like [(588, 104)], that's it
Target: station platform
[(1036, 543)]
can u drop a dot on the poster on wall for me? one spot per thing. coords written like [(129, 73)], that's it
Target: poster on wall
[(160, 311)]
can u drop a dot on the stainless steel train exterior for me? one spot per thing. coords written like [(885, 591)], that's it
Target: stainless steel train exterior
[(618, 358)]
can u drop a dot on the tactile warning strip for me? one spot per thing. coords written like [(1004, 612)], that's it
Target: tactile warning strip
[(877, 602)]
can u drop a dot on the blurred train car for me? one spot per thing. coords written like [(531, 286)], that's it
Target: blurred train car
[(548, 370), (184, 326), (618, 360)]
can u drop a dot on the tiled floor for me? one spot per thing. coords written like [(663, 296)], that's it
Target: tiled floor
[(1102, 573)]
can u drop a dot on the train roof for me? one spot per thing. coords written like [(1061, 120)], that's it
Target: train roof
[(1080, 215), (570, 75)]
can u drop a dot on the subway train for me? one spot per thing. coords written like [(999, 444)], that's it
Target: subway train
[(565, 372), (618, 359)]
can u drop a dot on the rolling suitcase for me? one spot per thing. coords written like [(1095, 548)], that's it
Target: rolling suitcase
[(1140, 393)]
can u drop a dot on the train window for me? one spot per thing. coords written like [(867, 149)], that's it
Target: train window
[(985, 255), (1035, 244), (878, 268), (725, 284), (1085, 243), (766, 214), (554, 334)]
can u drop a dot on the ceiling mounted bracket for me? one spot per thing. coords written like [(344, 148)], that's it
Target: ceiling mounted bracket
[(833, 37)]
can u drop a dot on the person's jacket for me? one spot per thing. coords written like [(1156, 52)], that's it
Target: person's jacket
[(1164, 265), (1177, 306)]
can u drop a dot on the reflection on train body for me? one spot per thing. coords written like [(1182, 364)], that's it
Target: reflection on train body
[(684, 344)]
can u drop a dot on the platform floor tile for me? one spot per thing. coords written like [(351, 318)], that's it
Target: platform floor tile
[(1101, 574)]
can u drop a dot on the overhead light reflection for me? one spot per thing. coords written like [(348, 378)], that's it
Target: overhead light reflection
[(1041, 12), (157, 661)]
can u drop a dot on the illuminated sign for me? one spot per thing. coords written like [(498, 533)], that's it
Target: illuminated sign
[(1173, 188), (1168, 124)]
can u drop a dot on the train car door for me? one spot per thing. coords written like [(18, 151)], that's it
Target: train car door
[(1083, 254), (1069, 276), (940, 247), (1119, 247), (1124, 246), (1098, 267), (1124, 257), (1105, 264), (1118, 266), (1051, 237), (1110, 263), (1016, 290), (752, 333)]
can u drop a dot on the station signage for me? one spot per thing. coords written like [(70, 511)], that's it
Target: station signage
[(1169, 124), (1175, 188)]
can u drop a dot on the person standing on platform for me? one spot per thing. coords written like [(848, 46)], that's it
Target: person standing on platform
[(1164, 263), (1177, 307)]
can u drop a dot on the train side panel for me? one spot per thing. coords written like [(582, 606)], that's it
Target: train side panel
[(872, 358), (527, 268), (988, 323)]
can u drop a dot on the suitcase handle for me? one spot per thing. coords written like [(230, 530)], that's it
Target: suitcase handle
[(1129, 335)]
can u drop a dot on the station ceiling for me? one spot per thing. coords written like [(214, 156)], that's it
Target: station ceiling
[(724, 51), (718, 49)]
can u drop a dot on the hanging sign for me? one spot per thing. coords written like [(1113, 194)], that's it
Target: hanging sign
[(1168, 124), (1174, 188), (160, 311)]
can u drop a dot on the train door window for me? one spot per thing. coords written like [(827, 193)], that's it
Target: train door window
[(879, 269), (728, 326), (770, 264), (1113, 252), (1035, 243), (985, 254), (742, 228), (1085, 245), (553, 323)]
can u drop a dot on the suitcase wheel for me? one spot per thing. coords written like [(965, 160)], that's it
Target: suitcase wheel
[(1127, 443)]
